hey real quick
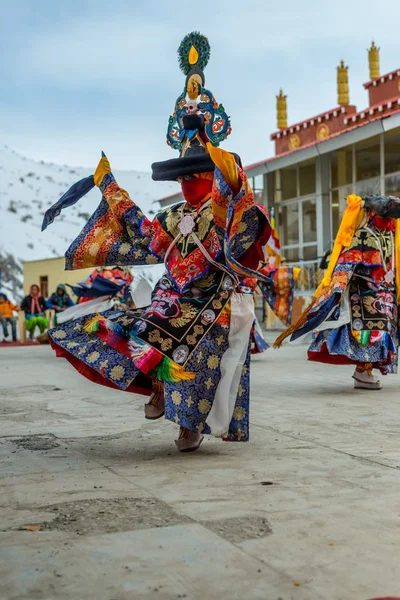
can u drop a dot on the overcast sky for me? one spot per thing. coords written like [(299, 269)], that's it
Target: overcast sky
[(80, 76)]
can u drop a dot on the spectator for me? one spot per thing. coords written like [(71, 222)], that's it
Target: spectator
[(7, 309), (34, 306), (59, 301)]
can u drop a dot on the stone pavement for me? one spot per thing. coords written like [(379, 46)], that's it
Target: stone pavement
[(308, 510)]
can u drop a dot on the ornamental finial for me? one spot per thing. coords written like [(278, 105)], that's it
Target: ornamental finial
[(343, 84), (281, 110), (373, 59)]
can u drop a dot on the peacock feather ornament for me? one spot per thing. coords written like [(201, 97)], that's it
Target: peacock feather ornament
[(196, 100)]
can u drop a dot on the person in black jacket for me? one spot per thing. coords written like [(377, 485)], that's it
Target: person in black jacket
[(34, 306), (59, 301)]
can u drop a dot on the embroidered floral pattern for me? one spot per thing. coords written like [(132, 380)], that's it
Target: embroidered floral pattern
[(213, 361), (176, 398), (92, 357), (204, 406), (117, 373), (60, 335)]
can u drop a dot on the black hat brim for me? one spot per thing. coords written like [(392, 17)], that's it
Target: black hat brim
[(170, 170)]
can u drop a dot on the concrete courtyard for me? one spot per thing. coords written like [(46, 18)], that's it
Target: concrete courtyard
[(96, 503)]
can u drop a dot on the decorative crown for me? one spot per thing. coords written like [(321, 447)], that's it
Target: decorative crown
[(197, 114)]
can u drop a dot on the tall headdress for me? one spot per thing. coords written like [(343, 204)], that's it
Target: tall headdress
[(197, 118)]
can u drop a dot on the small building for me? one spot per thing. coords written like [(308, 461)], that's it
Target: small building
[(49, 273), (320, 161)]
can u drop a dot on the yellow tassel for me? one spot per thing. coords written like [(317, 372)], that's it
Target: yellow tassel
[(179, 373)]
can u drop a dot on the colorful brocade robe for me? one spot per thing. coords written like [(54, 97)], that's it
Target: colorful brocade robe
[(189, 319), (356, 319)]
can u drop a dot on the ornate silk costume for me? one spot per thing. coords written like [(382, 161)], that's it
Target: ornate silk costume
[(354, 315), (194, 337)]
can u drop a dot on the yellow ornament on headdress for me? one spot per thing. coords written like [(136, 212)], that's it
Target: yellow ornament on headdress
[(193, 56)]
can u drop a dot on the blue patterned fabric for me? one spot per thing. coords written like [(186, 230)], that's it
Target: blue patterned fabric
[(188, 403), (340, 342), (253, 224), (113, 366), (260, 344), (130, 249), (318, 317)]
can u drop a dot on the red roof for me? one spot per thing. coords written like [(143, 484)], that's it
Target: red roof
[(325, 115), (314, 143), (367, 112), (382, 78)]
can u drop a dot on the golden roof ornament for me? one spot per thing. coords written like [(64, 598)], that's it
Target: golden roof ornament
[(343, 84), (281, 110), (373, 59)]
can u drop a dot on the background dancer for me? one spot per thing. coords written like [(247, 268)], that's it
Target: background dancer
[(354, 313)]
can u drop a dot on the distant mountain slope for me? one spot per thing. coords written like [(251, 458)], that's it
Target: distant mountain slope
[(29, 187)]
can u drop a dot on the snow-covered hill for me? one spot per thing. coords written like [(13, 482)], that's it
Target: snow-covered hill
[(28, 188)]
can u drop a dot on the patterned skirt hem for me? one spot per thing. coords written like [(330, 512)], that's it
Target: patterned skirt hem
[(96, 377)]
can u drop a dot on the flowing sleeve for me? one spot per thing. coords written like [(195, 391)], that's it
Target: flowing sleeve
[(117, 233), (245, 224), (246, 232)]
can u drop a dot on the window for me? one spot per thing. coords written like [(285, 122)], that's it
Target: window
[(392, 185), (309, 210), (342, 167), (290, 224), (341, 185), (289, 183), (392, 151), (338, 204), (335, 213), (298, 214), (298, 180), (307, 179), (44, 285), (257, 184), (290, 254), (368, 159), (371, 186), (299, 230), (310, 253)]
